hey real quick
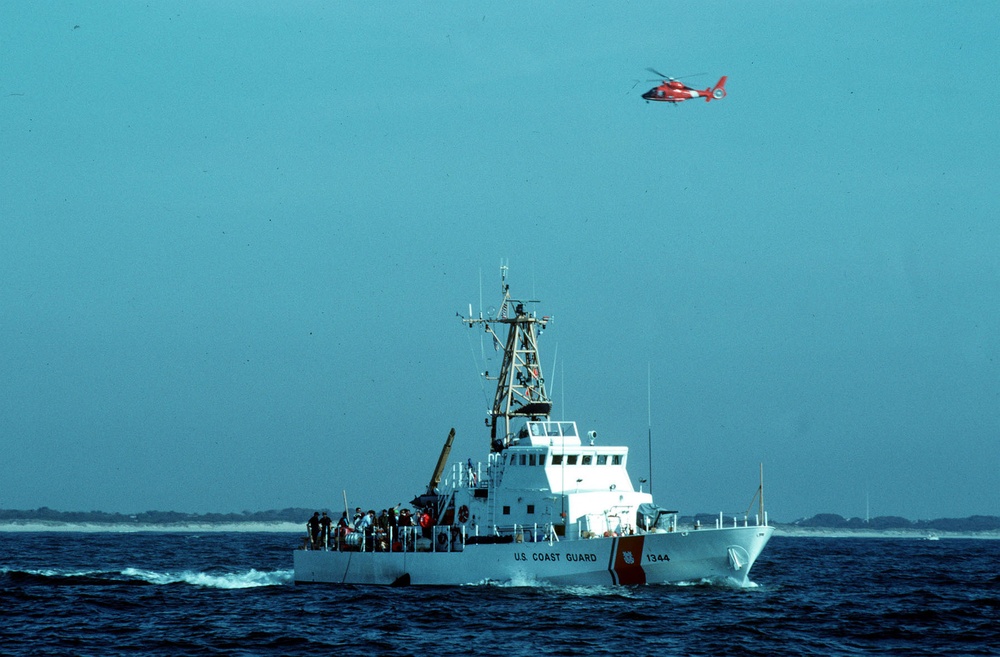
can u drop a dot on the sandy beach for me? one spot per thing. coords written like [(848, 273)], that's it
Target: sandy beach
[(192, 528)]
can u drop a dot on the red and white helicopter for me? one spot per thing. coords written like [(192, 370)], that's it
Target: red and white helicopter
[(674, 91)]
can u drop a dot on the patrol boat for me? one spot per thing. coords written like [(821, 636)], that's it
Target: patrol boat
[(548, 505)]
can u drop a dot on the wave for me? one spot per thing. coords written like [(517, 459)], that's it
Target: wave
[(252, 578), (240, 580), (53, 577), (589, 590)]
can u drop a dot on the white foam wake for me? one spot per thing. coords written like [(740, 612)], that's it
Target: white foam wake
[(241, 580)]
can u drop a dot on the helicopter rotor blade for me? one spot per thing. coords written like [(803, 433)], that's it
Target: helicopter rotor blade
[(669, 78)]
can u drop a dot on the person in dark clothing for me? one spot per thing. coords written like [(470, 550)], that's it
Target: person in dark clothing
[(325, 523), (313, 526)]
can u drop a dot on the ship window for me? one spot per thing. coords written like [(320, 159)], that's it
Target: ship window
[(567, 428), (531, 509), (531, 459), (557, 459), (616, 459), (536, 430), (552, 428), (506, 510), (602, 459), (524, 459), (571, 459), (587, 458)]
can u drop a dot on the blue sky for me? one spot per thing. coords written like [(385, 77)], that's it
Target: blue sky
[(235, 237)]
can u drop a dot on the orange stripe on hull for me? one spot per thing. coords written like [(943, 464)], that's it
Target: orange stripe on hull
[(627, 566)]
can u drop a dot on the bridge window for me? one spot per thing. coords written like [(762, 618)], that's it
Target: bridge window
[(557, 459), (616, 459), (531, 459), (567, 428), (536, 429), (602, 459), (524, 459), (587, 459), (571, 459)]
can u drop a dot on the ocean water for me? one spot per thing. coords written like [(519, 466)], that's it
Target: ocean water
[(64, 593)]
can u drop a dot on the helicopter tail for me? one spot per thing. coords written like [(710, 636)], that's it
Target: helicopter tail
[(718, 91)]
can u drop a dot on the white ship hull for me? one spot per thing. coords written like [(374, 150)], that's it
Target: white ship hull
[(724, 555)]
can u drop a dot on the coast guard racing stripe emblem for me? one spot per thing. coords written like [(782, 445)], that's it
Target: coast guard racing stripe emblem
[(626, 561)]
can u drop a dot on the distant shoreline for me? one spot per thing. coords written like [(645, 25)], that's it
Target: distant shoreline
[(820, 532), (129, 528), (791, 531)]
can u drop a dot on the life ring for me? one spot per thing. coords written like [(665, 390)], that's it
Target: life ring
[(463, 513), (425, 520)]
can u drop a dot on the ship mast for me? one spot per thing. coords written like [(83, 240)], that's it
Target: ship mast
[(520, 384)]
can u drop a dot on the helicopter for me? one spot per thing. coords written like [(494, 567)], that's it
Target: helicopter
[(672, 90)]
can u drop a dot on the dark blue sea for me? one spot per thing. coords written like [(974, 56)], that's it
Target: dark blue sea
[(232, 594)]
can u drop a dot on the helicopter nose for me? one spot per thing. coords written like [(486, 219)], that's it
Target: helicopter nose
[(648, 95)]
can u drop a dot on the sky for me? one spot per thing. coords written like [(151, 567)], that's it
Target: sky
[(234, 238)]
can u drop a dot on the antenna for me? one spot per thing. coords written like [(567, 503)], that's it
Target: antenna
[(482, 341), (555, 357), (649, 422)]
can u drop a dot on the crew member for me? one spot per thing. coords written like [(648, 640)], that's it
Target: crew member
[(313, 528), (325, 523)]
